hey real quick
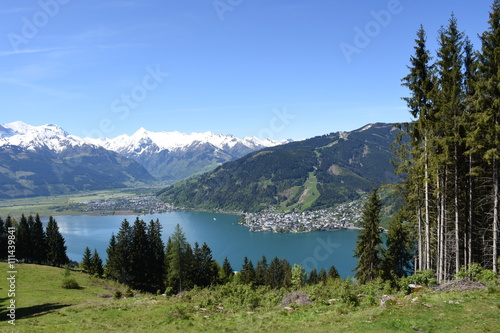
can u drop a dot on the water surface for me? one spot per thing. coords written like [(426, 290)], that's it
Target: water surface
[(319, 249)]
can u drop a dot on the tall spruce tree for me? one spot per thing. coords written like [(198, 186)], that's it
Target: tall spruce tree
[(56, 248), (227, 270), (23, 239), (247, 273), (313, 277), (87, 260), (120, 267), (323, 276), (140, 255), (280, 273), (179, 257), (420, 82), (206, 271), (156, 260), (487, 133), (399, 252), (449, 137), (261, 272), (368, 246), (39, 241), (96, 265), (286, 270), (333, 273), (111, 269)]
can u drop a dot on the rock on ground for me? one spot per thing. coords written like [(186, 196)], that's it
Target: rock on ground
[(297, 298)]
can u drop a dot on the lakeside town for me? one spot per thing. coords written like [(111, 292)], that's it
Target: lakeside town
[(343, 216), (144, 204)]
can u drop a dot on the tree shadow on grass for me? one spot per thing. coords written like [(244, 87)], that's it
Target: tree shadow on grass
[(31, 311)]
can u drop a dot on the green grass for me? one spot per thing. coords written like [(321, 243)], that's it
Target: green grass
[(44, 306), (61, 204), (311, 186), (308, 196)]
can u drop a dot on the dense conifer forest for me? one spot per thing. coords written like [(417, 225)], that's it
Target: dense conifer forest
[(450, 161)]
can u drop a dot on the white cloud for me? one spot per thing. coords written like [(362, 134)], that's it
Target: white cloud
[(29, 51)]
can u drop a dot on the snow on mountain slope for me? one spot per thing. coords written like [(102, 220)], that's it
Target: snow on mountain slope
[(33, 138), (168, 156), (144, 141), (55, 138), (173, 156)]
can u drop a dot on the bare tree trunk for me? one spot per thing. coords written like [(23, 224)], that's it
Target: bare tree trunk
[(456, 208), (495, 215), (427, 219), (471, 214), (420, 253), (439, 266), (444, 226)]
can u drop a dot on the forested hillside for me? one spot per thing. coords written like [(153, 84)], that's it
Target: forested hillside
[(310, 174)]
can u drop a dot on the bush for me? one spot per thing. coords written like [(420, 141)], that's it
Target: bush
[(118, 294), (129, 292), (423, 278), (475, 272), (70, 283), (348, 296)]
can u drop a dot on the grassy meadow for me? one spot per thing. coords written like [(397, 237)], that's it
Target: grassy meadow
[(42, 305), (64, 204)]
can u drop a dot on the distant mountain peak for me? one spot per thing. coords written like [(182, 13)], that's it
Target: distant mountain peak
[(169, 156), (176, 140)]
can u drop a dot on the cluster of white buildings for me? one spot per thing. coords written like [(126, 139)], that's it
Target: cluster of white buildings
[(146, 204)]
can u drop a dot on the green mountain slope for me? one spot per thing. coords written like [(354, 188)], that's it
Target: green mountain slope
[(26, 173), (310, 174)]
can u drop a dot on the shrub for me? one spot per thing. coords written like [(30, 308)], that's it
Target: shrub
[(424, 278), (129, 292), (475, 272), (488, 276), (118, 294), (348, 295), (70, 283)]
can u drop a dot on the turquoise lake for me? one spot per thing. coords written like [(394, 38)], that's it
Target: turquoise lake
[(223, 234)]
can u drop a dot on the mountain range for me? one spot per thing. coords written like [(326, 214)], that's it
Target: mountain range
[(309, 174), (173, 156), (46, 160)]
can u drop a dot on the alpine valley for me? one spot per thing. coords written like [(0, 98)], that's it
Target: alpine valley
[(46, 160)]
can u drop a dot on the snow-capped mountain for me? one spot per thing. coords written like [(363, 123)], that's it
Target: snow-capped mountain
[(33, 138), (143, 140), (45, 160), (172, 156)]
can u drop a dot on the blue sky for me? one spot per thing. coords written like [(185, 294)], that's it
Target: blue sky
[(279, 69)]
